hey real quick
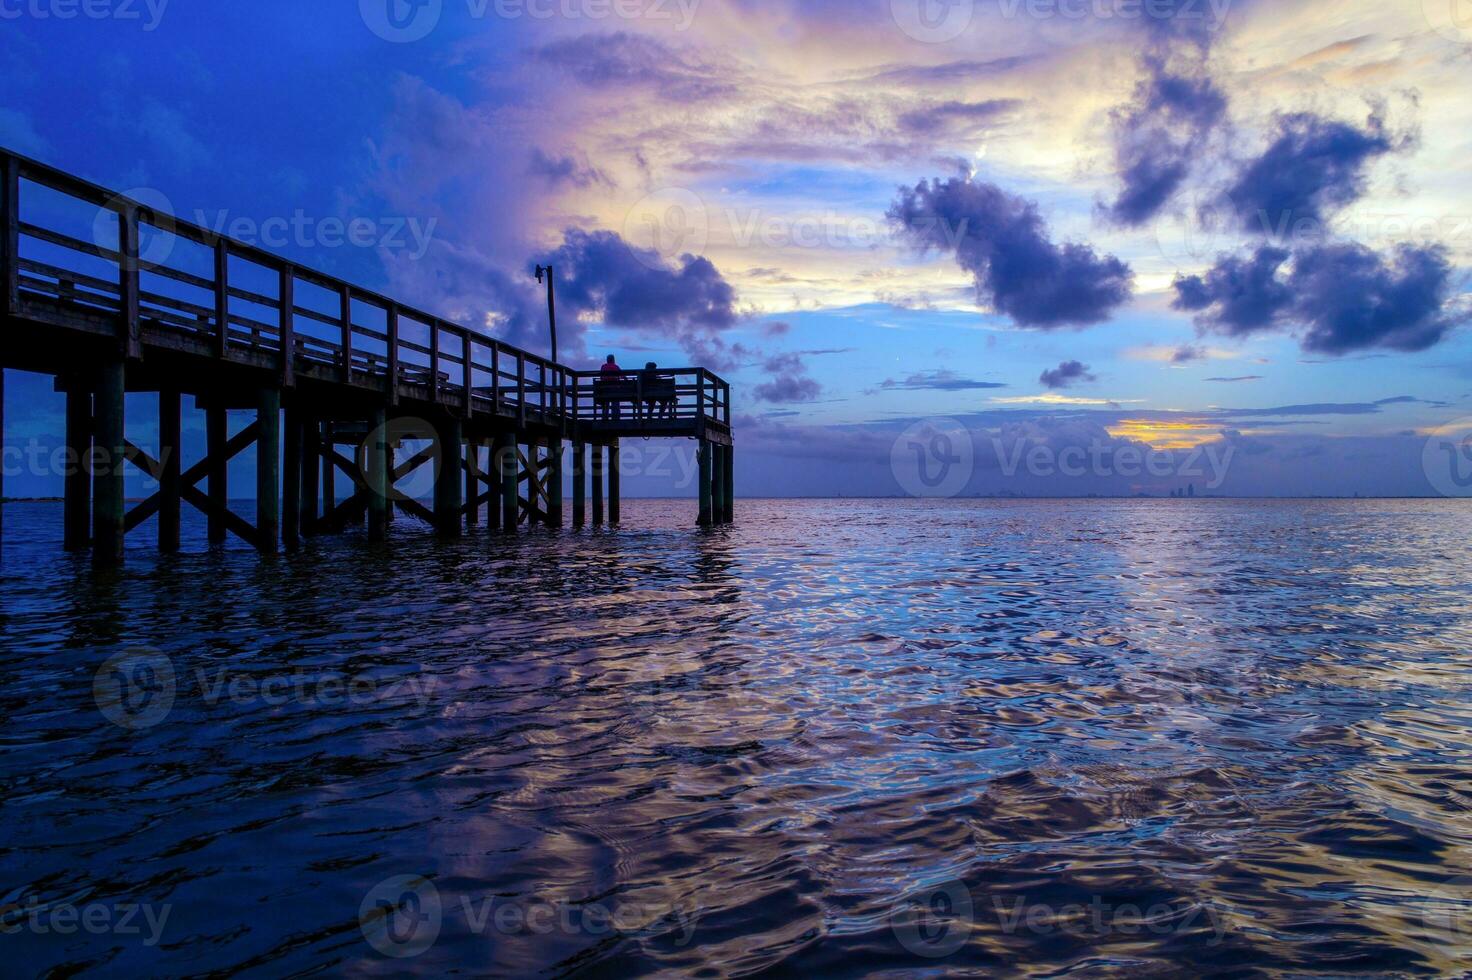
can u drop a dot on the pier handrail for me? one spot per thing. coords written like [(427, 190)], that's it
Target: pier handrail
[(698, 394), (462, 368)]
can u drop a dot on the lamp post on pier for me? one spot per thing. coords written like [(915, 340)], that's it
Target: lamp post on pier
[(551, 305)]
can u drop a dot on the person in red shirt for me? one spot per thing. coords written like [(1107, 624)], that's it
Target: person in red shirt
[(611, 374)]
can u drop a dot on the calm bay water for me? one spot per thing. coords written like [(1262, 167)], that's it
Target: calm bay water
[(841, 737)]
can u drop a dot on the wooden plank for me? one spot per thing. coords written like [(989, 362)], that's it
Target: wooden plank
[(392, 316), (345, 313)]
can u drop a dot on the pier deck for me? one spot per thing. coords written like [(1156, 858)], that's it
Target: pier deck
[(111, 297)]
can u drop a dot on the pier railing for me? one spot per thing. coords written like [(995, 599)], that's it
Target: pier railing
[(151, 277), (661, 398)]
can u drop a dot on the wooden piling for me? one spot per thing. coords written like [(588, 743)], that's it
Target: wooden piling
[(705, 475), (510, 484), (378, 465), (554, 483), (615, 491), (311, 449), (472, 483), (493, 487), (77, 509), (291, 477), (729, 472), (449, 505), (268, 469), (597, 486), (170, 450), (216, 435), (329, 472), (108, 511), (718, 484), (579, 484)]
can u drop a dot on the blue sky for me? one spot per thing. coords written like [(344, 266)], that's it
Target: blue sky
[(757, 187)]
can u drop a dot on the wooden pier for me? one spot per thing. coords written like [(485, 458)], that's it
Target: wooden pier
[(338, 377)]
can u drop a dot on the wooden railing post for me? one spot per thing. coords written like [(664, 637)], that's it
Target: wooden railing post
[(700, 397), (391, 319), (434, 363), (222, 298), (345, 312), (495, 378), (128, 327), (9, 234), (287, 293), (469, 366), (521, 387)]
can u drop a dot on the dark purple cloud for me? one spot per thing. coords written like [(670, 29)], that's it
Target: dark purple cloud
[(1066, 374), (601, 275), (1345, 297), (1238, 295), (1311, 168), (1002, 240), (1158, 136)]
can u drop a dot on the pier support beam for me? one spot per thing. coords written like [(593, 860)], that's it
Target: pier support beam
[(718, 484), (729, 472), (510, 484), (77, 509), (291, 475), (597, 486), (706, 516), (308, 507), (108, 512), (449, 504), (378, 467), (216, 435), (554, 482), (473, 491), (492, 487), (329, 474), (268, 470), (615, 491), (579, 484), (170, 449)]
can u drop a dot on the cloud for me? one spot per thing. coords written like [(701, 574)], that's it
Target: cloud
[(933, 119), (1157, 138), (1066, 374), (1245, 377), (787, 381), (1002, 240), (1311, 168), (623, 61), (560, 171), (1344, 297), (601, 276), (939, 381)]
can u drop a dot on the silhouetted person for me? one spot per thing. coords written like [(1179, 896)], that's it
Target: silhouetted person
[(611, 376)]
